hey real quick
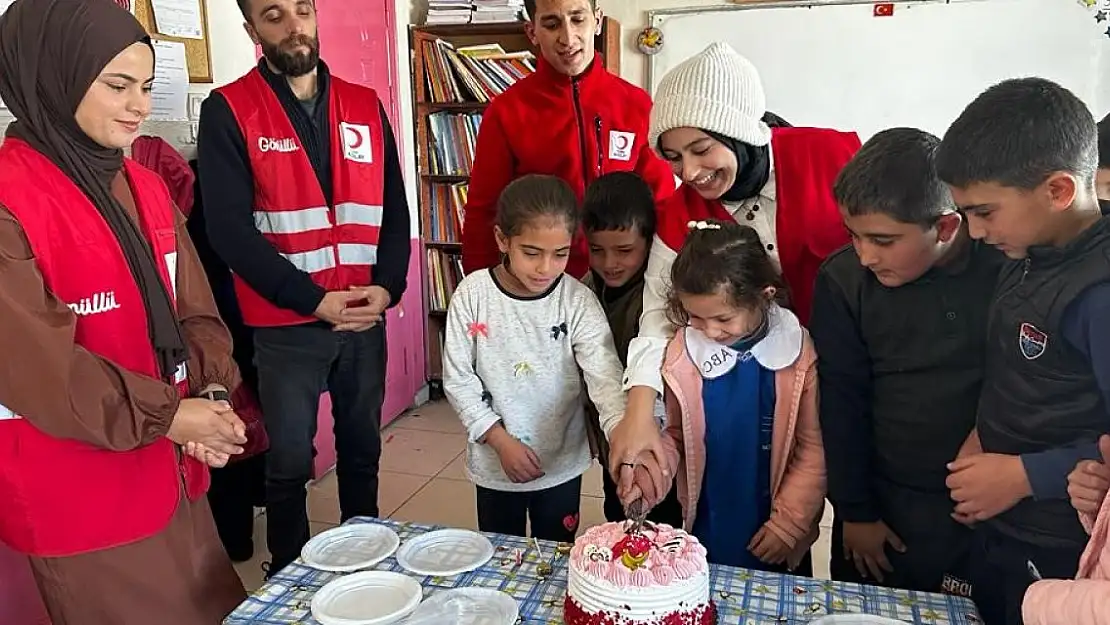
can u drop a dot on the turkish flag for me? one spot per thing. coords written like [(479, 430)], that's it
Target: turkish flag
[(884, 9)]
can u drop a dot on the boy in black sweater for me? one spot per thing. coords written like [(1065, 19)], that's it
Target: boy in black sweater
[(1020, 161), (899, 323), (618, 215)]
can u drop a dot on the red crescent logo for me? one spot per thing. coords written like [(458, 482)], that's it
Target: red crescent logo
[(622, 142), (358, 138)]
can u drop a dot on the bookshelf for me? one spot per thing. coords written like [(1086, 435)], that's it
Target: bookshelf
[(454, 77)]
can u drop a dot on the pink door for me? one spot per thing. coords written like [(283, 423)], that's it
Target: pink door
[(358, 40)]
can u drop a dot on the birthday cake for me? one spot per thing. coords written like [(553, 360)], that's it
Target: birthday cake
[(657, 575)]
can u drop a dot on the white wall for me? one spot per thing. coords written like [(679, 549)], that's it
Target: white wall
[(633, 17)]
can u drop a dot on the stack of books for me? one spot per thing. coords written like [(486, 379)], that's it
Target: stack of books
[(441, 12), (473, 73), (495, 11), (447, 212), (444, 274)]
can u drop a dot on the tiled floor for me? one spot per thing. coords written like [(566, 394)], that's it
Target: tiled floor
[(423, 480)]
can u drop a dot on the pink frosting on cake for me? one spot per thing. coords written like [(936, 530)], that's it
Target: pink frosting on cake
[(673, 554)]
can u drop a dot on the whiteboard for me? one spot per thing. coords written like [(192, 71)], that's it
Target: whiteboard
[(839, 66)]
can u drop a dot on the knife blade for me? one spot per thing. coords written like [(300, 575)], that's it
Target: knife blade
[(637, 514)]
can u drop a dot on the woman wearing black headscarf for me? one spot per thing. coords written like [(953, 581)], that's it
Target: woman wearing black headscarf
[(739, 163), (114, 357)]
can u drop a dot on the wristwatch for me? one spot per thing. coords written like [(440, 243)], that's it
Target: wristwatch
[(217, 395)]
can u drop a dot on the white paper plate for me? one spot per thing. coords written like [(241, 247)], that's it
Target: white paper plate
[(444, 553), (350, 547), (856, 619), (467, 606), (367, 598)]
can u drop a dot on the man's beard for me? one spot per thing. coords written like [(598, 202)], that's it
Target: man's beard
[(297, 63)]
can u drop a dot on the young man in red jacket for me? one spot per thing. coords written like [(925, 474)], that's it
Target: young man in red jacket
[(572, 119)]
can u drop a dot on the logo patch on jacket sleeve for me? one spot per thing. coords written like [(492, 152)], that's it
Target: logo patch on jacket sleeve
[(620, 145), (356, 142), (1031, 341)]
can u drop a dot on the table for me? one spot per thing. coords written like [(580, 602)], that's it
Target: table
[(742, 596)]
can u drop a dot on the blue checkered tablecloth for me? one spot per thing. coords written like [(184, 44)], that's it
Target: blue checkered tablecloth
[(742, 596)]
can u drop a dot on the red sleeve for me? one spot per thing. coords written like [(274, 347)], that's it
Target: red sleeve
[(492, 172), (656, 172)]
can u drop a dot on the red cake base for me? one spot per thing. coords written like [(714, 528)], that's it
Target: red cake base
[(573, 614)]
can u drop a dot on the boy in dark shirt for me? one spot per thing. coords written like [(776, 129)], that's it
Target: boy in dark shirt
[(1020, 162), (899, 323), (618, 216)]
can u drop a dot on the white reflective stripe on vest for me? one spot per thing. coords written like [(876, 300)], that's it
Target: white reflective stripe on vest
[(6, 414), (292, 222), (314, 261), (316, 218), (350, 213), (357, 254)]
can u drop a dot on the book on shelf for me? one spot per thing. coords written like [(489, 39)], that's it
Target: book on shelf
[(445, 214), (444, 274), (451, 138), (472, 73)]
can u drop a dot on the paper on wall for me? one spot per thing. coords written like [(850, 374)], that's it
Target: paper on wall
[(177, 18), (171, 82)]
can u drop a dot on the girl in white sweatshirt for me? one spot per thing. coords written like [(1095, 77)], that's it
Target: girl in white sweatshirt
[(522, 338)]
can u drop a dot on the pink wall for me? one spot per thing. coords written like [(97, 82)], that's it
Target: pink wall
[(358, 40)]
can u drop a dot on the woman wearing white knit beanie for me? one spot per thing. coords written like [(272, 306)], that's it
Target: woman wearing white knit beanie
[(708, 122)]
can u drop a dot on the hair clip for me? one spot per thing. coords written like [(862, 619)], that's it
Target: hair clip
[(702, 225)]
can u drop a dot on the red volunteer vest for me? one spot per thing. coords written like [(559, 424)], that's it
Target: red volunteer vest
[(64, 497), (337, 245), (807, 221)]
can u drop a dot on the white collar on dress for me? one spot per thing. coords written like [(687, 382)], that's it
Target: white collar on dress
[(778, 350)]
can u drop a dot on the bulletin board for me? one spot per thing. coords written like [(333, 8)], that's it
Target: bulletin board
[(198, 54)]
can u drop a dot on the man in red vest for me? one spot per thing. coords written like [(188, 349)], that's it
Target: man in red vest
[(305, 202), (571, 119)]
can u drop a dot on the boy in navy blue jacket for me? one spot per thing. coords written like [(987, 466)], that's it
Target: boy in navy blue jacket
[(1020, 161)]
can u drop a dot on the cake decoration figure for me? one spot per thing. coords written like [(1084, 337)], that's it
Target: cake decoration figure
[(632, 550)]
